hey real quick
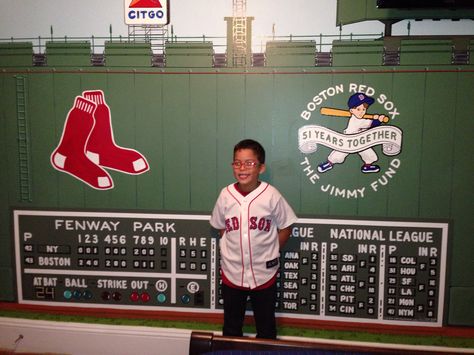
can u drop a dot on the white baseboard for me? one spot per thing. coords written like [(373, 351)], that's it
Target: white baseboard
[(25, 335)]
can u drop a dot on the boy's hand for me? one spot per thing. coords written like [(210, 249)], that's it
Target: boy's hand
[(284, 235), (381, 118)]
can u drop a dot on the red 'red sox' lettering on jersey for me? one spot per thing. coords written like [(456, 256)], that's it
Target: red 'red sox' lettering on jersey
[(262, 224), (231, 224), (244, 220)]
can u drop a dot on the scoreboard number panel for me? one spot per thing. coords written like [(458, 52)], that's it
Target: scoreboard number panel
[(119, 260), (372, 271)]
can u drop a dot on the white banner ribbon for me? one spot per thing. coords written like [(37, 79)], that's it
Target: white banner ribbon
[(390, 137)]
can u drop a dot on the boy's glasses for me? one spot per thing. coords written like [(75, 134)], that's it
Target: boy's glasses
[(248, 164)]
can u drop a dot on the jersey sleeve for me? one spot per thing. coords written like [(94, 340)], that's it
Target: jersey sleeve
[(284, 214), (217, 217)]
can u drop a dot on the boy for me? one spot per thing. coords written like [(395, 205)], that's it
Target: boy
[(254, 222), (358, 104)]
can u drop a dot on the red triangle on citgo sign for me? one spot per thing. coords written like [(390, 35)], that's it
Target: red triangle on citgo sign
[(145, 3)]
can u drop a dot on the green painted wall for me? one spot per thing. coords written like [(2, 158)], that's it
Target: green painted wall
[(186, 123)]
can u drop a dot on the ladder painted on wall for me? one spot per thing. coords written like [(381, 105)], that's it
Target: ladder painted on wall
[(23, 141), (239, 33)]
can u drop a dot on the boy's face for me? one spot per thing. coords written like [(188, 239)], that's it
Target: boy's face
[(246, 175), (359, 111)]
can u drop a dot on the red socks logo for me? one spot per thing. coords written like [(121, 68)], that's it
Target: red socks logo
[(87, 144)]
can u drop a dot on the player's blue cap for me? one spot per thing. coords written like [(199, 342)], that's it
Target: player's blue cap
[(359, 98)]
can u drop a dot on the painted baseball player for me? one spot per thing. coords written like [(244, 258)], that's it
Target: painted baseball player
[(358, 104), (254, 222)]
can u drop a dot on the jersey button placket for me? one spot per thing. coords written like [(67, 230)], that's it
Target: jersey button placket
[(245, 243)]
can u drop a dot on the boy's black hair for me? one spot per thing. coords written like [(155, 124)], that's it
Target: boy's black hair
[(253, 145)]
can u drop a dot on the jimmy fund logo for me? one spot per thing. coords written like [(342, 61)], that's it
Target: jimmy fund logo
[(363, 136)]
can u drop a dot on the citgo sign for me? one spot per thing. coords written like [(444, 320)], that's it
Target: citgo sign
[(146, 12)]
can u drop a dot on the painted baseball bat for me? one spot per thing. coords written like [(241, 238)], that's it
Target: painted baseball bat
[(328, 111)]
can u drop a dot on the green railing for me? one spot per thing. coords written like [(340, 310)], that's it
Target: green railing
[(323, 42)]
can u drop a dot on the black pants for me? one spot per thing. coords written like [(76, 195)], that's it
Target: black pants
[(263, 306)]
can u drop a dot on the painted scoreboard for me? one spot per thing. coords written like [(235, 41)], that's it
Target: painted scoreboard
[(114, 259), (357, 270)]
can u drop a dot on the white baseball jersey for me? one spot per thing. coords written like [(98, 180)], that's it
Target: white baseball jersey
[(249, 246)]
